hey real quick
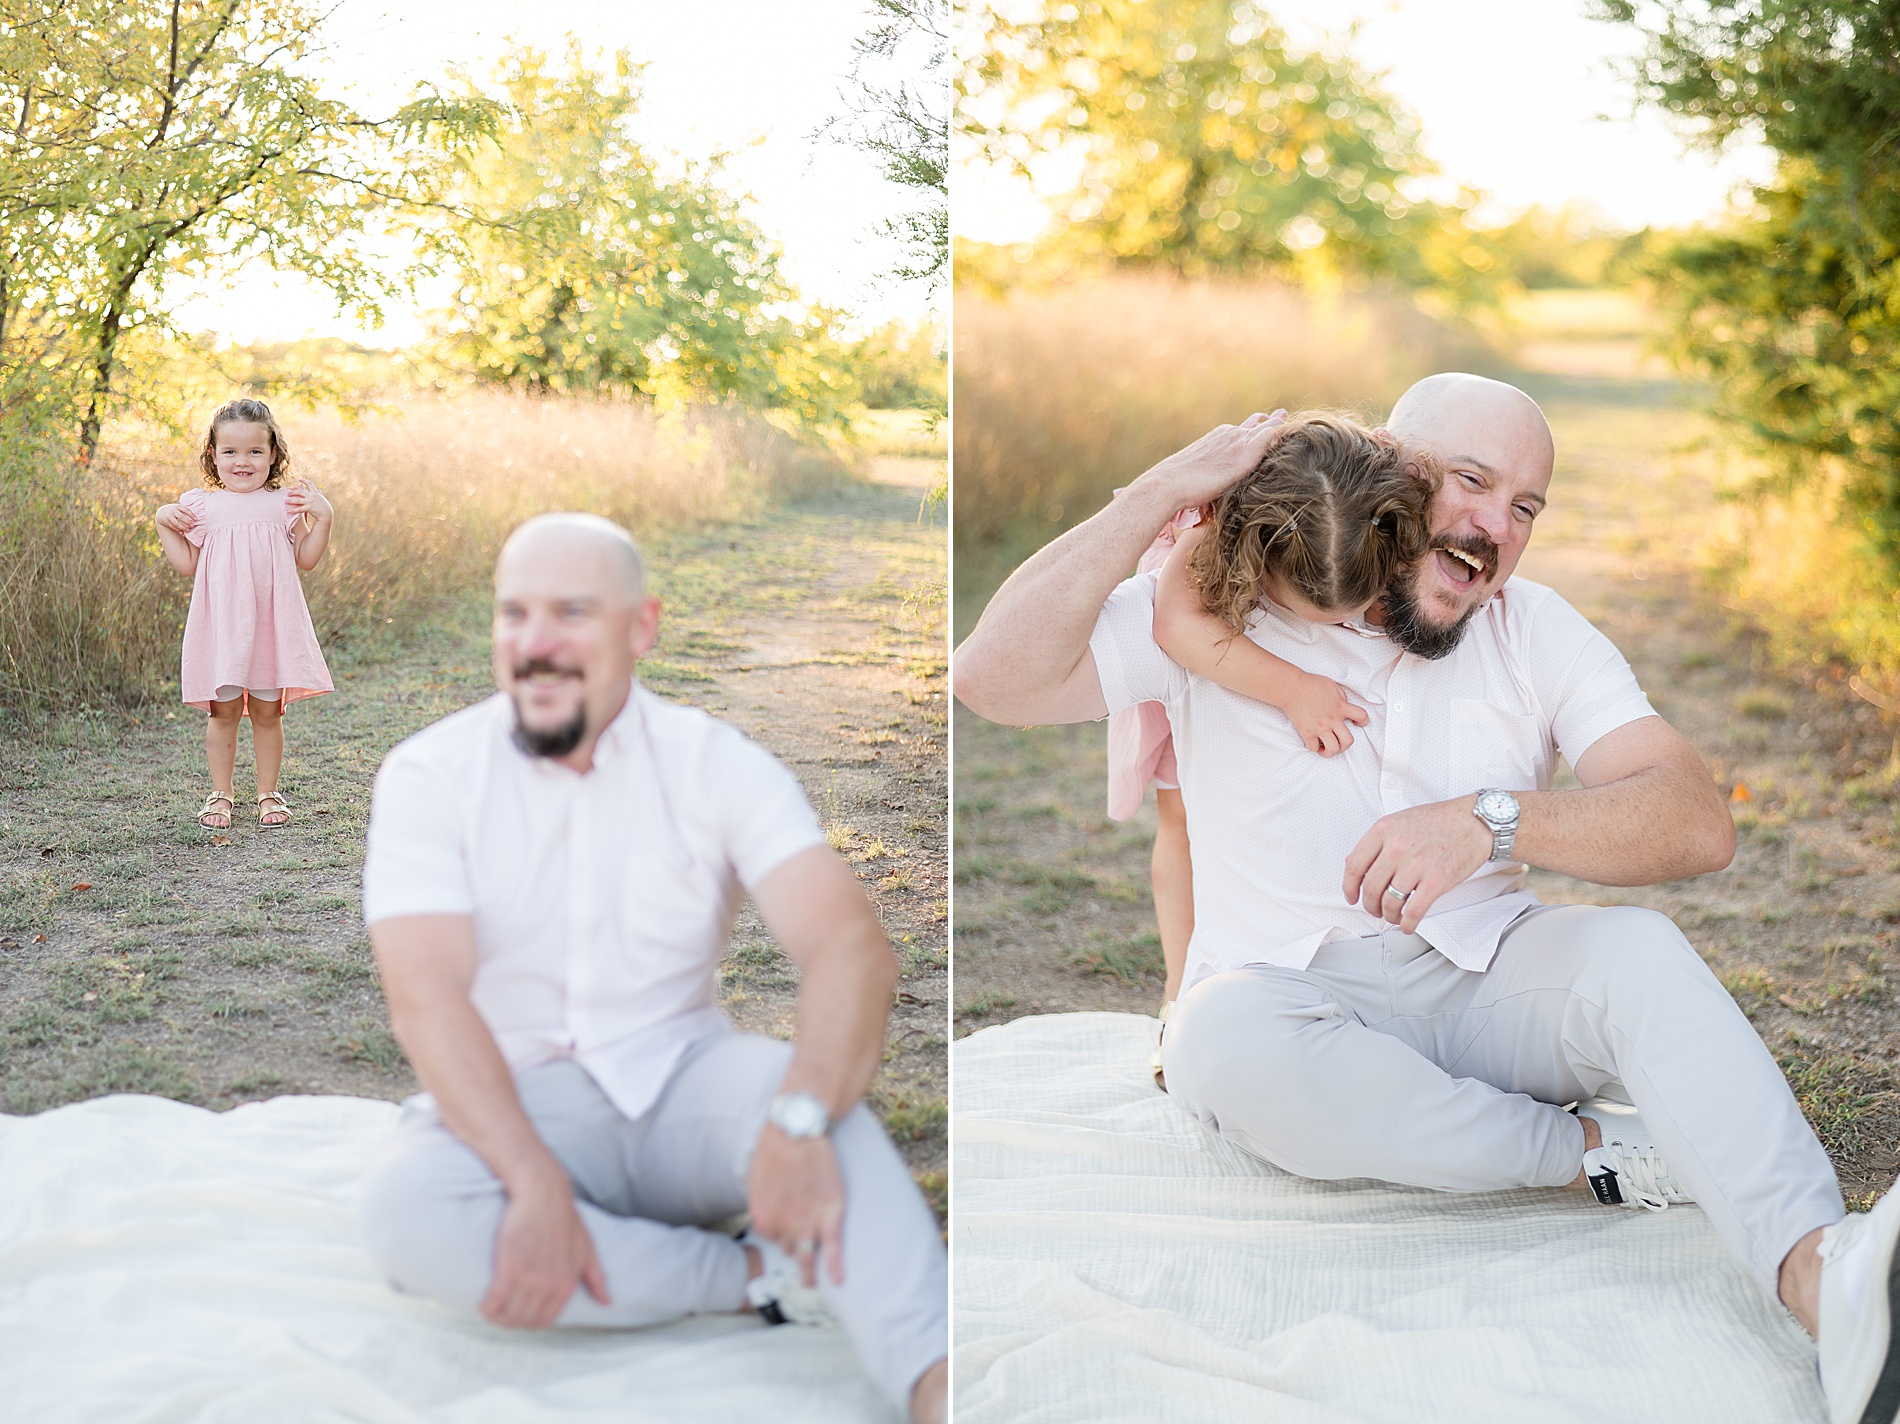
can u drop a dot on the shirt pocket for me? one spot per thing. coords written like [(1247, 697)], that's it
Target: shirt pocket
[(1491, 746)]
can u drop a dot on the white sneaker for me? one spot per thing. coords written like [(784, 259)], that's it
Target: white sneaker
[(779, 1292), (1627, 1170), (1860, 1364)]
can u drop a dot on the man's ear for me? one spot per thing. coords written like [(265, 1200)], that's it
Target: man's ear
[(646, 627), (1385, 437)]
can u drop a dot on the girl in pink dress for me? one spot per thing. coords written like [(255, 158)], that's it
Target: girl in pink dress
[(250, 647)]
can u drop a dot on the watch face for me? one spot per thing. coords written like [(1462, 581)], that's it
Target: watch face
[(800, 1115), (1498, 806)]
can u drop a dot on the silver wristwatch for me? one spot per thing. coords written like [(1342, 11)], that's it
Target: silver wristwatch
[(1498, 810), (799, 1116)]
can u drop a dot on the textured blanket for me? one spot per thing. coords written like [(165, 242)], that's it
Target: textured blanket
[(165, 1263), (1115, 1261)]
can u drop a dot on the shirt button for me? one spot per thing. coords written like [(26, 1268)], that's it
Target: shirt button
[(1398, 706)]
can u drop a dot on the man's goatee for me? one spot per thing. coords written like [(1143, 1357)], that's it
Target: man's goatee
[(556, 741)]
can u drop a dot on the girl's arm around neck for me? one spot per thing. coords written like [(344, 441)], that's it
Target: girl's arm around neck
[(1318, 707), (180, 552)]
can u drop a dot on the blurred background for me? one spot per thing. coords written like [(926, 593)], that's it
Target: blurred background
[(455, 245), (1671, 222)]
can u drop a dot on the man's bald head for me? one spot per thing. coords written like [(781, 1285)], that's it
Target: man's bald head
[(1438, 410), (579, 542)]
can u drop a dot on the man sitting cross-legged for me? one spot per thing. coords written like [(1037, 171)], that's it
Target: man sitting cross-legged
[(551, 878), (1370, 991)]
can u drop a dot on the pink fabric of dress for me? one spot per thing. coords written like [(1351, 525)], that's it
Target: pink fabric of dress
[(1140, 741), (249, 625)]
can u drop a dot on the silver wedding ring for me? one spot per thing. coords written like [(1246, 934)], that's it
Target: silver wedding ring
[(1403, 895)]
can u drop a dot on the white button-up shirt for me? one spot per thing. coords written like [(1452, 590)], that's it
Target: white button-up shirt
[(602, 900), (1272, 823)]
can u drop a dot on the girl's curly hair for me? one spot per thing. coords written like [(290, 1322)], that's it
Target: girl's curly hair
[(252, 412), (1331, 510)]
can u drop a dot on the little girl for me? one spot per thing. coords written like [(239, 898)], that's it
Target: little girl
[(249, 643), (1319, 527)]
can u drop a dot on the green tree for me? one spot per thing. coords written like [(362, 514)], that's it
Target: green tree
[(898, 111), (900, 366), (1795, 309), (147, 141), (583, 266), (1206, 143)]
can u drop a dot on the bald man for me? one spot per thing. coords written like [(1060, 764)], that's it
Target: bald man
[(551, 879), (1370, 990)]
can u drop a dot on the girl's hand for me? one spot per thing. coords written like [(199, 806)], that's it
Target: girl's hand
[(175, 517), (306, 498), (1320, 712)]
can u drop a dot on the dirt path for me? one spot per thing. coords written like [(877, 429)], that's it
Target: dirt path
[(136, 956), (1053, 910)]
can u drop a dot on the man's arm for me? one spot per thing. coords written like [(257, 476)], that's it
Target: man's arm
[(1027, 661), (428, 964), (1647, 811), (820, 917)]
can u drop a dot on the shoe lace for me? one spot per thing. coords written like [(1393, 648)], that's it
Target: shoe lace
[(1644, 1177)]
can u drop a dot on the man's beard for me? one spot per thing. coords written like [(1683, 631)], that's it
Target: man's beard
[(1405, 621), (556, 741)]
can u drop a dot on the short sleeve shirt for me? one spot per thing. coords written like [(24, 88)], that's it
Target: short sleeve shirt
[(1272, 823), (603, 900)]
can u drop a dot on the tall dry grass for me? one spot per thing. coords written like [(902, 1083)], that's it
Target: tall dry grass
[(1065, 393), (424, 494)]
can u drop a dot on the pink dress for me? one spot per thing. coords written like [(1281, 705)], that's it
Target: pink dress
[(248, 625), (1140, 741)]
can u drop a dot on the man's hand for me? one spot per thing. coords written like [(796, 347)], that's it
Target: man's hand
[(1208, 468), (1419, 854), (542, 1250), (796, 1197)]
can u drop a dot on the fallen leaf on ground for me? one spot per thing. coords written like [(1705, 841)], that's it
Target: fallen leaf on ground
[(39, 939), (83, 885), (9, 944), (88, 996), (220, 840)]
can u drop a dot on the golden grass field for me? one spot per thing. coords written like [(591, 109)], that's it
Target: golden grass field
[(424, 490)]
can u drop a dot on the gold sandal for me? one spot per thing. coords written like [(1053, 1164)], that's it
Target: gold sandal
[(282, 808), (205, 810)]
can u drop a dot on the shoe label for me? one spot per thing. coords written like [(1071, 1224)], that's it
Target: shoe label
[(1605, 1186)]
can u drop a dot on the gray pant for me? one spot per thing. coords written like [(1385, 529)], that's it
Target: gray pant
[(1383, 1059), (648, 1187)]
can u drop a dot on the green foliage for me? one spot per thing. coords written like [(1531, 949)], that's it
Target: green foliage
[(1570, 247), (151, 140), (901, 366), (1207, 145), (1795, 310), (584, 267), (904, 123)]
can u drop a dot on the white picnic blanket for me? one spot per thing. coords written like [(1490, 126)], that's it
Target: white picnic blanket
[(163, 1263), (1115, 1261)]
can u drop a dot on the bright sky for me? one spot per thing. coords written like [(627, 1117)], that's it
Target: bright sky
[(1519, 98), (755, 77)]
